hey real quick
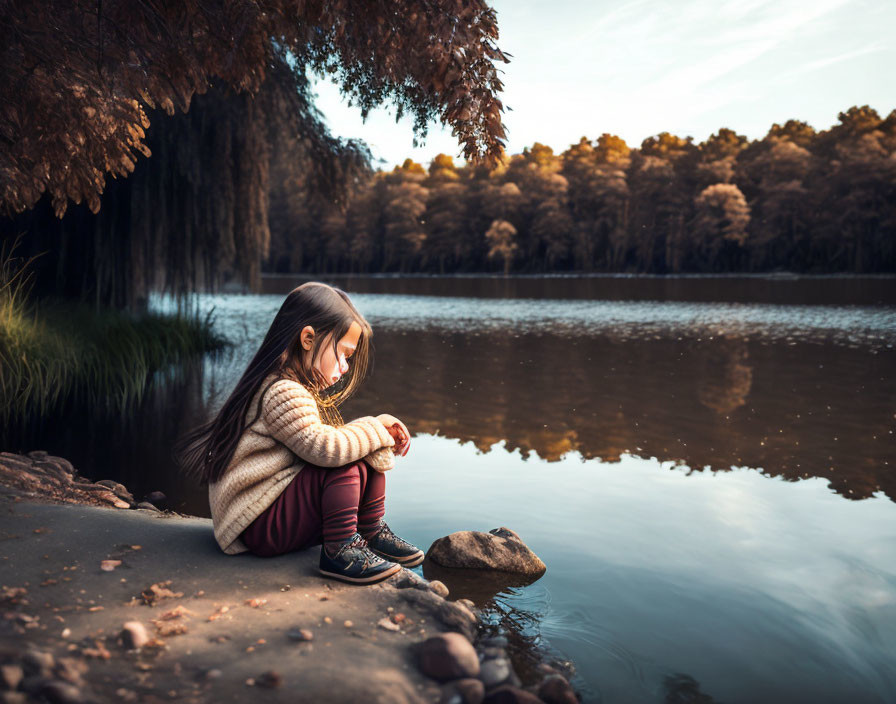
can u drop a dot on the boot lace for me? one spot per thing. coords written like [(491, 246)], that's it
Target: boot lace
[(358, 543), (386, 533)]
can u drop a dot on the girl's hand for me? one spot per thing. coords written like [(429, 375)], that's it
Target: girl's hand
[(399, 432)]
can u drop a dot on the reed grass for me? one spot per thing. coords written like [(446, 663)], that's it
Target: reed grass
[(54, 352)]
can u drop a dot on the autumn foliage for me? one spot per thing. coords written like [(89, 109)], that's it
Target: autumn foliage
[(80, 77)]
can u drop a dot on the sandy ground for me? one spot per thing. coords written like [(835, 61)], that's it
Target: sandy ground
[(73, 608)]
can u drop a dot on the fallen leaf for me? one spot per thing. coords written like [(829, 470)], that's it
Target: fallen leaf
[(255, 603), (99, 651), (219, 612), (158, 591), (166, 629), (177, 612)]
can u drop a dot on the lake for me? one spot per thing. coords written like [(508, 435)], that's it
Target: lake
[(705, 464)]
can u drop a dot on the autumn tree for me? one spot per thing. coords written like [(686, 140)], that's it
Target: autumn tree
[(500, 238), (77, 104), (720, 226)]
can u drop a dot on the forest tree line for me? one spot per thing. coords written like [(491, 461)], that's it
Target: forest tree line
[(798, 199)]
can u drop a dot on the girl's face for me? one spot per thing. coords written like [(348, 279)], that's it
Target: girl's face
[(330, 365)]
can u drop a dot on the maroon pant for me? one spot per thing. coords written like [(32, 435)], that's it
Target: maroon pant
[(319, 504)]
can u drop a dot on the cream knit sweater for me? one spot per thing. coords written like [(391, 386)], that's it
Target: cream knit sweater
[(271, 451)]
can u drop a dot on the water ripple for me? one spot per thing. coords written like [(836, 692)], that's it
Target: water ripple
[(867, 326)]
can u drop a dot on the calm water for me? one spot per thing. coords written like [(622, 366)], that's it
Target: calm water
[(705, 465)]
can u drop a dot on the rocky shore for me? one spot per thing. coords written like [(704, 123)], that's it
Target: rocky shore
[(110, 599)]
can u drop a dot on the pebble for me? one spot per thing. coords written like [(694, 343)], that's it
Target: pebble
[(463, 691), (494, 672), (348, 624), (439, 588), (554, 689), (448, 656), (491, 653), (133, 635), (155, 497), (12, 675), (300, 634), (387, 623), (327, 619), (38, 662)]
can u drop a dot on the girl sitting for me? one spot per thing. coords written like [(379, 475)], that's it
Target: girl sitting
[(284, 472)]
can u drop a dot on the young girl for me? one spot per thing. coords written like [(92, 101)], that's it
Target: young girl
[(284, 472)]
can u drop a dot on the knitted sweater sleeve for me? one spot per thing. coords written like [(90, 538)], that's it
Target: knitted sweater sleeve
[(381, 460), (291, 415)]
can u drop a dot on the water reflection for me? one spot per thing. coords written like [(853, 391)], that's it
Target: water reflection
[(728, 377), (479, 586), (793, 410)]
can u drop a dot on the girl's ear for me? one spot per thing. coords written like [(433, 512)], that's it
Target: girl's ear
[(306, 337)]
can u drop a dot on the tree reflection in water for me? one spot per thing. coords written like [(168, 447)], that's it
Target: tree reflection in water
[(793, 409)]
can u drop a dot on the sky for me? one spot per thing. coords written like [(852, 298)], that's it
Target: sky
[(638, 68)]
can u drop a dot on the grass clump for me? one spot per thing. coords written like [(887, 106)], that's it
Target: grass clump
[(55, 351)]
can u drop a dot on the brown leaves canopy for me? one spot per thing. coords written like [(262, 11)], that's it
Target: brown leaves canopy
[(79, 76)]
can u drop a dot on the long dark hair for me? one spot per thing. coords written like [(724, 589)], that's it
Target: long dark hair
[(204, 452)]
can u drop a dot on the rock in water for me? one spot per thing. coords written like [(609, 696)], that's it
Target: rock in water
[(500, 549), (554, 689)]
